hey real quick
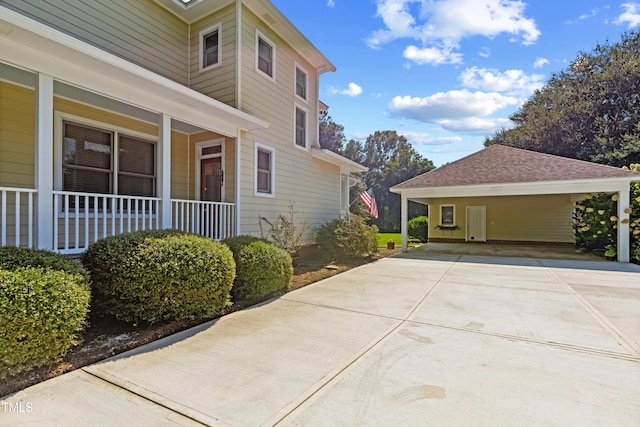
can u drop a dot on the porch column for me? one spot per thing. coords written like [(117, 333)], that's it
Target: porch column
[(44, 163), (404, 219), (623, 225), (238, 173), (164, 170), (344, 194)]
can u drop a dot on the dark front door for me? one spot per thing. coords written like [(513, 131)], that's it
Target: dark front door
[(211, 178)]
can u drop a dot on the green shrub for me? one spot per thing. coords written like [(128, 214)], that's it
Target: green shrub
[(163, 275), (418, 228), (350, 237), (262, 268), (41, 312), (12, 257)]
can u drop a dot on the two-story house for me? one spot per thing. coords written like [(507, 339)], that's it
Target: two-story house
[(120, 115)]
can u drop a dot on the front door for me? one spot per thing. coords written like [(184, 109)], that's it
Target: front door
[(211, 179), (476, 224)]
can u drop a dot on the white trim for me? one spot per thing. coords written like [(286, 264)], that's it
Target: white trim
[(203, 33), (43, 162), (297, 66), (200, 157), (163, 170), (297, 106), (260, 35), (347, 166), (454, 215), (259, 146)]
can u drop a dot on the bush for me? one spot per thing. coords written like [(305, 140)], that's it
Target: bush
[(41, 312), (418, 228), (12, 257), (161, 275), (350, 237), (261, 267)]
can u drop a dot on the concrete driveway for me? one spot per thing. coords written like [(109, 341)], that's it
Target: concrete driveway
[(423, 338)]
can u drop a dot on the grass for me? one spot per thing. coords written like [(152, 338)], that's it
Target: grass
[(383, 238)]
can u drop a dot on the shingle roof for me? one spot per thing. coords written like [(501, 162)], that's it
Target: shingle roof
[(499, 164)]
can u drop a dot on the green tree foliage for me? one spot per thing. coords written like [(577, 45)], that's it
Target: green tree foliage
[(588, 111), (331, 133), (391, 160)]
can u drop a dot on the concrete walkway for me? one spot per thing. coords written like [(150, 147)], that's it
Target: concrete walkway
[(422, 338)]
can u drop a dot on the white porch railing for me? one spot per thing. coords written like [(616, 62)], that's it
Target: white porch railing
[(83, 218), (16, 216), (214, 220)]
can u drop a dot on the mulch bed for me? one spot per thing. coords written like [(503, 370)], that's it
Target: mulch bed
[(105, 337)]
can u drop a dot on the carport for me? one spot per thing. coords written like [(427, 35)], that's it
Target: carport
[(508, 195)]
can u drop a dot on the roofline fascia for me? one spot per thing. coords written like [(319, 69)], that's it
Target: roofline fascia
[(526, 188)]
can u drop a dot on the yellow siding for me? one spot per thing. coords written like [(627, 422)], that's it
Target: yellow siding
[(541, 218), (17, 136), (313, 185), (218, 82), (140, 31), (180, 179)]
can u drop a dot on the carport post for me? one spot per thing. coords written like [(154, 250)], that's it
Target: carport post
[(623, 225), (404, 215)]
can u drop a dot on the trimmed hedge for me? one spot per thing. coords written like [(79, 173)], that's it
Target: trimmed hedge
[(350, 237), (12, 257), (153, 276), (262, 268), (418, 228), (41, 312)]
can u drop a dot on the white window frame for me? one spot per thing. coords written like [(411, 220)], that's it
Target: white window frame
[(306, 82), (200, 156), (453, 224), (203, 33), (266, 39), (295, 127), (272, 151)]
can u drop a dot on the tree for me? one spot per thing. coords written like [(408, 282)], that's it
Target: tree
[(331, 134), (391, 160), (589, 111)]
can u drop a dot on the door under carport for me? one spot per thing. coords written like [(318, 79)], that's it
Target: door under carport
[(476, 220)]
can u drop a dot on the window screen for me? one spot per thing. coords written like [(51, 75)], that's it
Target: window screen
[(265, 57)]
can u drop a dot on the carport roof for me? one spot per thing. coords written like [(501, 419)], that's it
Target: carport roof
[(499, 164)]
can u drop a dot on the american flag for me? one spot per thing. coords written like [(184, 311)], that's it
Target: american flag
[(369, 200)]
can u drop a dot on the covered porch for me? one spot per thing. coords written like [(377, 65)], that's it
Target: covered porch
[(92, 146)]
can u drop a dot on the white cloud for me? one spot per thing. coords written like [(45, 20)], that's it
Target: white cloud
[(432, 55), (540, 62), (485, 52), (441, 24), (452, 105), (512, 82), (331, 3), (631, 15), (352, 91), (477, 125), (424, 138)]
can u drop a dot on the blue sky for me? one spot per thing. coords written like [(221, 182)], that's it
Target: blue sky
[(446, 73)]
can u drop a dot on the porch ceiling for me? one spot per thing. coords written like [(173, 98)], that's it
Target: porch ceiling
[(31, 45)]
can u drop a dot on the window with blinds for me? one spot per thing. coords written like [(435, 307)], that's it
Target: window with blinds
[(265, 56), (301, 128), (107, 162)]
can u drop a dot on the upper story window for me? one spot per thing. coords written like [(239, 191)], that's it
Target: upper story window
[(102, 161), (210, 47), (301, 83), (301, 128), (265, 56)]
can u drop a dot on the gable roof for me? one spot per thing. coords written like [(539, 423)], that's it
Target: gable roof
[(499, 164)]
